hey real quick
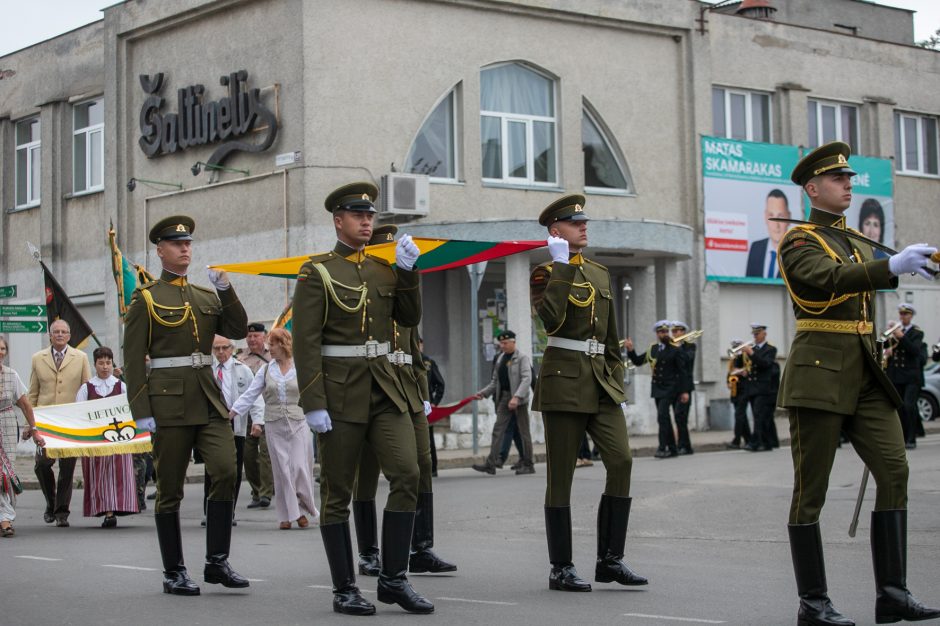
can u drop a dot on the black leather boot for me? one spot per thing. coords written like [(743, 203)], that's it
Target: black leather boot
[(423, 558), (613, 516), (346, 596), (367, 537), (176, 580), (393, 587), (563, 577), (218, 542), (810, 568), (889, 555)]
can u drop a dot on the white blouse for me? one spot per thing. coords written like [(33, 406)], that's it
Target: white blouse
[(254, 390), (103, 387)]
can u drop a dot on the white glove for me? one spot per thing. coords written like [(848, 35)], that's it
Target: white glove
[(319, 421), (427, 408), (219, 279), (406, 253), (147, 423), (623, 405), (558, 248), (912, 259)]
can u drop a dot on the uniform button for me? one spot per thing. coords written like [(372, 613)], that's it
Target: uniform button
[(359, 266), (558, 372), (817, 362), (368, 300), (370, 319)]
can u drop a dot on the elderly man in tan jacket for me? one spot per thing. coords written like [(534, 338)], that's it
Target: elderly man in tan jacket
[(56, 374), (510, 385)]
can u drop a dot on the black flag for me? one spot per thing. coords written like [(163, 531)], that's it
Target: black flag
[(60, 307)]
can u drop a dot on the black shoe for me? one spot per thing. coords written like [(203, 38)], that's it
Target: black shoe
[(422, 558), (486, 469), (393, 587), (48, 518), (516, 465), (346, 596), (525, 469), (661, 454), (178, 583), (367, 537), (563, 576), (264, 502), (733, 446), (254, 504), (176, 580), (889, 555), (433, 473), (613, 517), (109, 521), (910, 445), (62, 522), (683, 451), (152, 496), (499, 464), (203, 522), (809, 566), (218, 543), (668, 454)]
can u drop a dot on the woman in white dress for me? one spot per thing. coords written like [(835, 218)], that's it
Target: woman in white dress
[(110, 481), (290, 443), (12, 391)]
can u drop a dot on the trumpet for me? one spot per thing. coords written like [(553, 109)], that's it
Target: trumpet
[(692, 335), (733, 352), (887, 334)]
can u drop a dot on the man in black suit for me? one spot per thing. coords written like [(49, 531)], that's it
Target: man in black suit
[(762, 384), (907, 355), (762, 257), (667, 362), (686, 387)]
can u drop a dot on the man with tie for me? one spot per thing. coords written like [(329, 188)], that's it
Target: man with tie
[(762, 257), (54, 378), (907, 355), (233, 378)]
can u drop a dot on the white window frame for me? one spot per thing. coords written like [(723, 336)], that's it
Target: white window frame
[(32, 195), (901, 144), (614, 149), (816, 133), (454, 140), (88, 131), (507, 118), (748, 112)]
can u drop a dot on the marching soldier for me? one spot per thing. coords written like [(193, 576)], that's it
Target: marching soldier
[(346, 306), (410, 367), (686, 387), (906, 357), (668, 364), (738, 366), (833, 381), (580, 389), (763, 382), (174, 323)]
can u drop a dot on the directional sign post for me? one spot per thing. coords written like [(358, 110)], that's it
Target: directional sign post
[(22, 310), (8, 291), (25, 326)]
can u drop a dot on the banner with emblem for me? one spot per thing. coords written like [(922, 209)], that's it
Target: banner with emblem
[(99, 427), (872, 209), (744, 183)]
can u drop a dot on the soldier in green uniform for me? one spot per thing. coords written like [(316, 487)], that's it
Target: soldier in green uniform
[(833, 381), (412, 373), (580, 389), (346, 306), (174, 323)]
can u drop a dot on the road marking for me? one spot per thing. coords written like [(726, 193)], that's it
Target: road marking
[(478, 601), (36, 558), (329, 588), (675, 619), (133, 567), (255, 580)]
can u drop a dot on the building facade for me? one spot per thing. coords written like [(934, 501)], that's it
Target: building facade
[(504, 106)]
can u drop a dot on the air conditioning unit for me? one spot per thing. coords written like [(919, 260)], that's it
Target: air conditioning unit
[(405, 194)]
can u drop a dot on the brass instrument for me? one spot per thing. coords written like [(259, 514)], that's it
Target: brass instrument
[(733, 352), (887, 334), (690, 336), (887, 342)]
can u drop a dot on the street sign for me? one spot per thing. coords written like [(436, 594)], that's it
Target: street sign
[(25, 326), (22, 310), (8, 291)]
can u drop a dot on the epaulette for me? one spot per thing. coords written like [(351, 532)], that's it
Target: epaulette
[(603, 267), (540, 274), (379, 260), (305, 270), (201, 288), (148, 285)]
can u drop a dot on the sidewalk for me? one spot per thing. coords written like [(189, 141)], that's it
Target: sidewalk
[(642, 445)]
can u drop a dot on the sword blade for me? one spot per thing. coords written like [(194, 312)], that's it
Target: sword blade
[(858, 502)]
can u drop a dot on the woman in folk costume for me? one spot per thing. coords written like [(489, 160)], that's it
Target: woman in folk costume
[(12, 391), (110, 481)]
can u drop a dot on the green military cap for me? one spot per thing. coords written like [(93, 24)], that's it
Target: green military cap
[(570, 207), (383, 234), (353, 197), (830, 158), (506, 334), (173, 228)]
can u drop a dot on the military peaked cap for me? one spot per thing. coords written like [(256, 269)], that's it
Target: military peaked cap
[(256, 327), (678, 324), (173, 228), (353, 197), (383, 234), (830, 158), (906, 307), (506, 334), (570, 207), (662, 325)]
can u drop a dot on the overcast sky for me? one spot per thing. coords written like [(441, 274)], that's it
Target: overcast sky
[(26, 22)]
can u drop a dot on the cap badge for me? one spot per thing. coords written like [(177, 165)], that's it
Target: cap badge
[(180, 228), (365, 196), (578, 209), (842, 160)]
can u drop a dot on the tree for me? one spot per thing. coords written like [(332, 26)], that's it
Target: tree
[(932, 42)]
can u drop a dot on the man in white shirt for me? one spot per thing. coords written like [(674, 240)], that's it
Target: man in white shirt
[(233, 378)]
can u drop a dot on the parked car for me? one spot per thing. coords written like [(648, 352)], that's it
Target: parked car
[(928, 404)]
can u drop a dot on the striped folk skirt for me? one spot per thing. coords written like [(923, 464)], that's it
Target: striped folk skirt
[(110, 485)]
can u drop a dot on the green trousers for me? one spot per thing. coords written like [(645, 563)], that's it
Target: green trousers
[(874, 431), (367, 477), (563, 434), (172, 448)]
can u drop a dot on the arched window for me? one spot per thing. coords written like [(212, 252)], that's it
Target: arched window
[(434, 150), (518, 126), (605, 169)]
